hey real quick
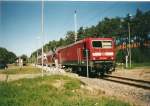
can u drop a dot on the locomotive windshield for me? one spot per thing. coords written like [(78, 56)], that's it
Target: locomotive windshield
[(102, 44)]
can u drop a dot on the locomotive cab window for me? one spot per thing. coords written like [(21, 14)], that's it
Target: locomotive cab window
[(102, 44), (107, 44), (97, 44)]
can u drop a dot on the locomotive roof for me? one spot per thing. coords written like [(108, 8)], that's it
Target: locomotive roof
[(81, 41)]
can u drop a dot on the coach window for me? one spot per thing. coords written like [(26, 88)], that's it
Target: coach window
[(97, 44)]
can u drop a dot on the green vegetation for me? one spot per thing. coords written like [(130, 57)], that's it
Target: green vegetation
[(72, 85), (138, 65), (139, 55), (18, 70), (135, 65), (51, 91), (6, 56), (25, 59)]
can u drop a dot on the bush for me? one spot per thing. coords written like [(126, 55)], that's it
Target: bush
[(138, 55)]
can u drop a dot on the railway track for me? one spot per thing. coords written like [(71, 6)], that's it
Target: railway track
[(128, 81)]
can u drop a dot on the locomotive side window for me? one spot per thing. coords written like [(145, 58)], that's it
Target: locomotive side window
[(97, 44), (102, 44)]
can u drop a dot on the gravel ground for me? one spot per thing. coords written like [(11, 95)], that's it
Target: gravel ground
[(136, 96)]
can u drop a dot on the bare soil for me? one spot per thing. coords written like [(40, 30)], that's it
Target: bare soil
[(142, 73)]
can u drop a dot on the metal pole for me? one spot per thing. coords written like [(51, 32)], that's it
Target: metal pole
[(129, 44), (126, 57), (75, 25), (126, 61), (42, 32), (87, 63)]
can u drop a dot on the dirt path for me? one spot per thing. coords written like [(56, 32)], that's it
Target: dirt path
[(47, 71), (12, 77), (142, 73)]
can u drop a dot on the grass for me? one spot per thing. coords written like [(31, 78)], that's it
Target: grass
[(18, 70), (140, 65), (51, 91)]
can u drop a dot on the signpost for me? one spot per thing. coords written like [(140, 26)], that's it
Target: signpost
[(87, 63)]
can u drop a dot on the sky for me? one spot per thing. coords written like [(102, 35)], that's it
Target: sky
[(20, 21)]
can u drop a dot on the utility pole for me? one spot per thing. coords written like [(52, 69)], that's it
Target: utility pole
[(75, 25), (42, 26), (129, 40), (129, 44)]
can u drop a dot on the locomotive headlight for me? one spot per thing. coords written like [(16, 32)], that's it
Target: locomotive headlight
[(96, 54), (109, 53), (112, 58)]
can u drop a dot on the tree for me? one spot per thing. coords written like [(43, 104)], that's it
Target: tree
[(24, 57), (7, 56), (70, 36), (81, 33), (11, 57)]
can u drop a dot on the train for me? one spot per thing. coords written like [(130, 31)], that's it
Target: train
[(96, 54)]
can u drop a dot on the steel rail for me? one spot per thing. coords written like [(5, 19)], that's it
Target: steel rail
[(131, 82), (130, 79)]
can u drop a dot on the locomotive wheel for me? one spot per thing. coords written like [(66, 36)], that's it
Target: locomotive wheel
[(77, 70), (74, 69), (101, 73), (83, 71), (92, 73)]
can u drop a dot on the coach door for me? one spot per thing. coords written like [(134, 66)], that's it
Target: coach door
[(84, 51)]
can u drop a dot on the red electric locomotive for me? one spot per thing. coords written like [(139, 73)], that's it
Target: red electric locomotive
[(101, 55)]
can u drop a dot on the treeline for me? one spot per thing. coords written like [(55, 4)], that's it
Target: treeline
[(6, 56), (109, 27)]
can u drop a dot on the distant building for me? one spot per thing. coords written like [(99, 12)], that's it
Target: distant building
[(19, 62)]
